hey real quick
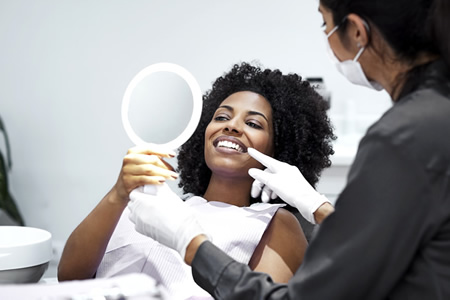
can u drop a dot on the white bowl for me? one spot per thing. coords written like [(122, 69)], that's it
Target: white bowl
[(25, 253)]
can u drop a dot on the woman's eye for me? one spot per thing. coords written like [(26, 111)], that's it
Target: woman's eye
[(220, 118), (254, 125)]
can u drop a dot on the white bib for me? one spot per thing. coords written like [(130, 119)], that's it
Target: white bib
[(235, 230)]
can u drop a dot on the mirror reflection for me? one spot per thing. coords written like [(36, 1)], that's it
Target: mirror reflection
[(160, 107)]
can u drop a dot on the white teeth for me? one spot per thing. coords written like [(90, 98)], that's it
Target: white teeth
[(228, 144)]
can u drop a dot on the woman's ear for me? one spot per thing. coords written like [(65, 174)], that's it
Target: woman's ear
[(358, 30)]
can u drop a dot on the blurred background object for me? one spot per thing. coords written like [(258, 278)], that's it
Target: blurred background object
[(25, 253), (129, 287), (9, 213)]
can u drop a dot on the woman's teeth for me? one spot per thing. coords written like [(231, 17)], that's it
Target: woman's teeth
[(231, 145)]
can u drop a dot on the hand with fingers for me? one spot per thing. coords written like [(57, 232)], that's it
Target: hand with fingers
[(141, 166), (164, 217), (287, 182), (144, 165)]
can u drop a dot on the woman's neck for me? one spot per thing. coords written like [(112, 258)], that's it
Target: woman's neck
[(392, 75), (235, 191), (385, 66)]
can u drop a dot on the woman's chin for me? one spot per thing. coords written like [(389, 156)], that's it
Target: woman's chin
[(230, 170)]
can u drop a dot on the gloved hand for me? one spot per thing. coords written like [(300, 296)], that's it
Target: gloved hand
[(164, 217), (259, 188), (287, 182)]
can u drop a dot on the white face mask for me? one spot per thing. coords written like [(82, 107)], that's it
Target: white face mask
[(351, 69)]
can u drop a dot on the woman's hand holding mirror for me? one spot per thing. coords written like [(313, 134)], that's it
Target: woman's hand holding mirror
[(144, 165)]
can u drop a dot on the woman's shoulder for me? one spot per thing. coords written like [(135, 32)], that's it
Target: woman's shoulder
[(422, 111), (283, 227), (411, 126), (283, 244), (286, 221)]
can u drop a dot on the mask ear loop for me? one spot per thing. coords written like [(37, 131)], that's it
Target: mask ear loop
[(366, 25), (336, 27), (362, 48), (332, 31)]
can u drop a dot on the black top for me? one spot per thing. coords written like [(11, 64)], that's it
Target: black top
[(389, 237)]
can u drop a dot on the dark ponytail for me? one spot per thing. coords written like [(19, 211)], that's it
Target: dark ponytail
[(440, 27)]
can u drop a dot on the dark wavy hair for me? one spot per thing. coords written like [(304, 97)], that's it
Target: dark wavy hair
[(302, 130)]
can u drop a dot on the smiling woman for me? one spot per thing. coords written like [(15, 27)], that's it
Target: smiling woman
[(279, 115), (295, 117), (239, 122)]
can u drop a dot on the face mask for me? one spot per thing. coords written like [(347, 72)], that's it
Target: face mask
[(351, 69)]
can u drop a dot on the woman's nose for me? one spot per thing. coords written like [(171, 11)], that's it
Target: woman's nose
[(232, 127)]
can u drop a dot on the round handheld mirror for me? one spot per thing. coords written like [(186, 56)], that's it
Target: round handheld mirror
[(162, 106)]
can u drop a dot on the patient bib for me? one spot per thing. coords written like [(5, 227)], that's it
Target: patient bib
[(235, 230)]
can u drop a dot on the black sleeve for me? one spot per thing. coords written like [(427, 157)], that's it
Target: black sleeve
[(224, 278), (352, 256)]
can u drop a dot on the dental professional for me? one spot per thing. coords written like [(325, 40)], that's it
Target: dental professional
[(389, 236)]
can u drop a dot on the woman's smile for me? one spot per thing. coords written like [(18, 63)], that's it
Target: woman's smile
[(228, 144), (243, 119)]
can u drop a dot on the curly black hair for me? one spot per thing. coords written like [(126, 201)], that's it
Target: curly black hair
[(302, 130)]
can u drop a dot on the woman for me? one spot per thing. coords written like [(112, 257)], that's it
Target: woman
[(281, 116), (389, 236)]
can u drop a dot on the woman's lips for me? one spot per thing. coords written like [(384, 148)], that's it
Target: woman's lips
[(230, 144)]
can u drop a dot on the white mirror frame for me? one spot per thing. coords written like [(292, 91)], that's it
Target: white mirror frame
[(196, 97)]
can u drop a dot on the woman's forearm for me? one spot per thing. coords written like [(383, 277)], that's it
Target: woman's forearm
[(86, 245), (323, 211)]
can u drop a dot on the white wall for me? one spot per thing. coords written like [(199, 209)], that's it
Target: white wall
[(64, 66)]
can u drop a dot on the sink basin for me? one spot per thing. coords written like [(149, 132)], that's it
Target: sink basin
[(25, 253)]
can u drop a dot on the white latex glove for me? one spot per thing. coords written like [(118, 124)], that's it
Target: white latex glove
[(259, 188), (287, 182), (160, 214)]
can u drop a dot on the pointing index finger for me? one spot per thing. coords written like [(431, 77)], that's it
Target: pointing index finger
[(267, 161)]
